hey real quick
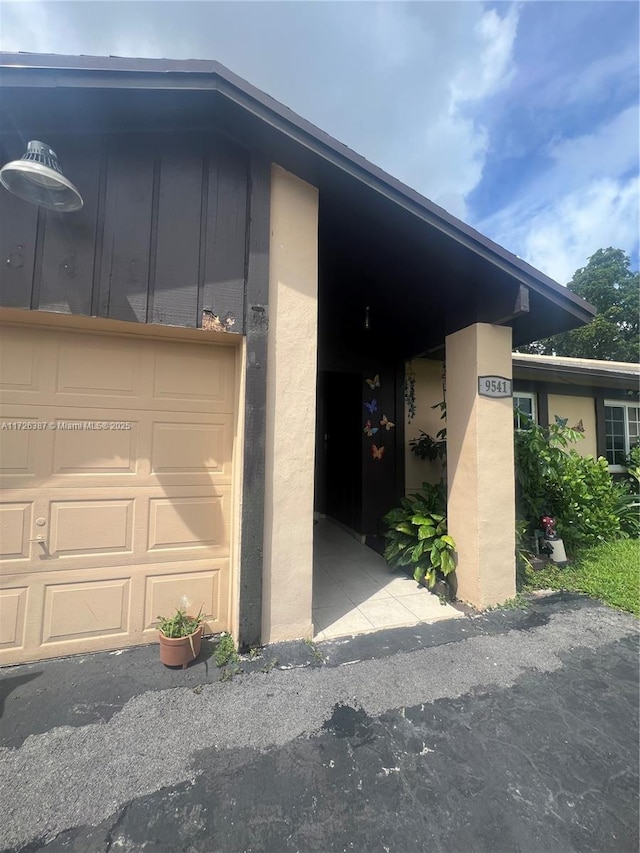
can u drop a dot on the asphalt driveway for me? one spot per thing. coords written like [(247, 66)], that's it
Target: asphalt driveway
[(510, 731)]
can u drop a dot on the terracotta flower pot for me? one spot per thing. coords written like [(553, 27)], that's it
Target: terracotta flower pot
[(180, 651)]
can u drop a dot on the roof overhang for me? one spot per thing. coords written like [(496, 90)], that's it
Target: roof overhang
[(577, 371), (451, 274)]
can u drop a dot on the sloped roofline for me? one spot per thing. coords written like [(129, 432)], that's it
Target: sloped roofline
[(566, 366), (24, 69)]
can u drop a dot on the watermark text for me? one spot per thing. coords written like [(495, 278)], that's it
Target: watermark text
[(63, 426)]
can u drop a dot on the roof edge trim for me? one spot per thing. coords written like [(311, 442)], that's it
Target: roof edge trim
[(302, 132)]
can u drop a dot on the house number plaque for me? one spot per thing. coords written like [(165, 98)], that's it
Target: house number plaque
[(494, 386)]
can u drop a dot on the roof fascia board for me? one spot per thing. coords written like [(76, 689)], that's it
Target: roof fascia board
[(401, 195), (542, 370), (215, 77)]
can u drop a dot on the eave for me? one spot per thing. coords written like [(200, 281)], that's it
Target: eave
[(248, 114)]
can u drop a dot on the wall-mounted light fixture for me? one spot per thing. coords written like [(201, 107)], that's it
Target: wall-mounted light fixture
[(367, 323), (37, 177)]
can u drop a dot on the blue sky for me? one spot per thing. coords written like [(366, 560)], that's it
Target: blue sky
[(520, 118)]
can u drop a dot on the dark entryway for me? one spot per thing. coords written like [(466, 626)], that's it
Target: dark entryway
[(339, 464), (359, 449)]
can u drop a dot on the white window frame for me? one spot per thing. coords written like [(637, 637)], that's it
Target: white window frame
[(528, 395), (621, 404)]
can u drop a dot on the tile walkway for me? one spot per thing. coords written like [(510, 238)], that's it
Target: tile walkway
[(355, 591)]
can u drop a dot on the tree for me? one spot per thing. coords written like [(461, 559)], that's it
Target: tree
[(608, 283)]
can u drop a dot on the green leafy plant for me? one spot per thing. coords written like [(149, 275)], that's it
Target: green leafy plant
[(632, 465), (628, 511), (225, 652), (628, 495), (179, 625), (425, 446), (315, 651), (417, 536), (524, 553), (553, 479)]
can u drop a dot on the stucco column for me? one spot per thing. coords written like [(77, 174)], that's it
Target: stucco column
[(481, 505), (291, 408)]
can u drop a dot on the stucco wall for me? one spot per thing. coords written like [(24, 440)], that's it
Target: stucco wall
[(428, 392), (481, 505), (577, 409), (291, 408)]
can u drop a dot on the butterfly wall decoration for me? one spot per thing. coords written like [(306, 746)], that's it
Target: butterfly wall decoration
[(579, 427), (372, 407), (377, 452), (370, 430), (373, 383), (386, 423)]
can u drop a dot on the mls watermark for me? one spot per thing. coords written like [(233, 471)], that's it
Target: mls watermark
[(65, 426)]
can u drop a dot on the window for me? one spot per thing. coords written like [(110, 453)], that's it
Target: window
[(526, 403), (622, 430)]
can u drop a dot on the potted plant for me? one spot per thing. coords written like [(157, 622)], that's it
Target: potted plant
[(180, 637)]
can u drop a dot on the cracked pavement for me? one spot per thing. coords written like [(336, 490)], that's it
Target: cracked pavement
[(510, 731)]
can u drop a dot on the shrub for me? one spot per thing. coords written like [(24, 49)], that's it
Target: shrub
[(585, 501), (553, 479), (417, 535), (628, 506)]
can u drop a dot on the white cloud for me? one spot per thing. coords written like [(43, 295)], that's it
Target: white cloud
[(453, 151), (488, 69), (604, 213), (400, 83), (459, 54), (611, 149), (586, 199), (27, 27), (592, 82)]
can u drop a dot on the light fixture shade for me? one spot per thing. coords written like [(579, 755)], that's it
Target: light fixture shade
[(37, 177)]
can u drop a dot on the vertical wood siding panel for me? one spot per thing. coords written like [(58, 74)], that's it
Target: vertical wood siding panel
[(255, 407), (224, 270), (70, 238), (18, 228), (124, 274), (175, 290), (195, 258)]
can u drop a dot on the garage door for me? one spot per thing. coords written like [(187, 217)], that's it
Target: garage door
[(116, 473)]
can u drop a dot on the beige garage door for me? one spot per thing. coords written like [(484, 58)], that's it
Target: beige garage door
[(116, 466)]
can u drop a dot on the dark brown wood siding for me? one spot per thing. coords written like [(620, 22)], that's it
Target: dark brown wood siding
[(161, 236)]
